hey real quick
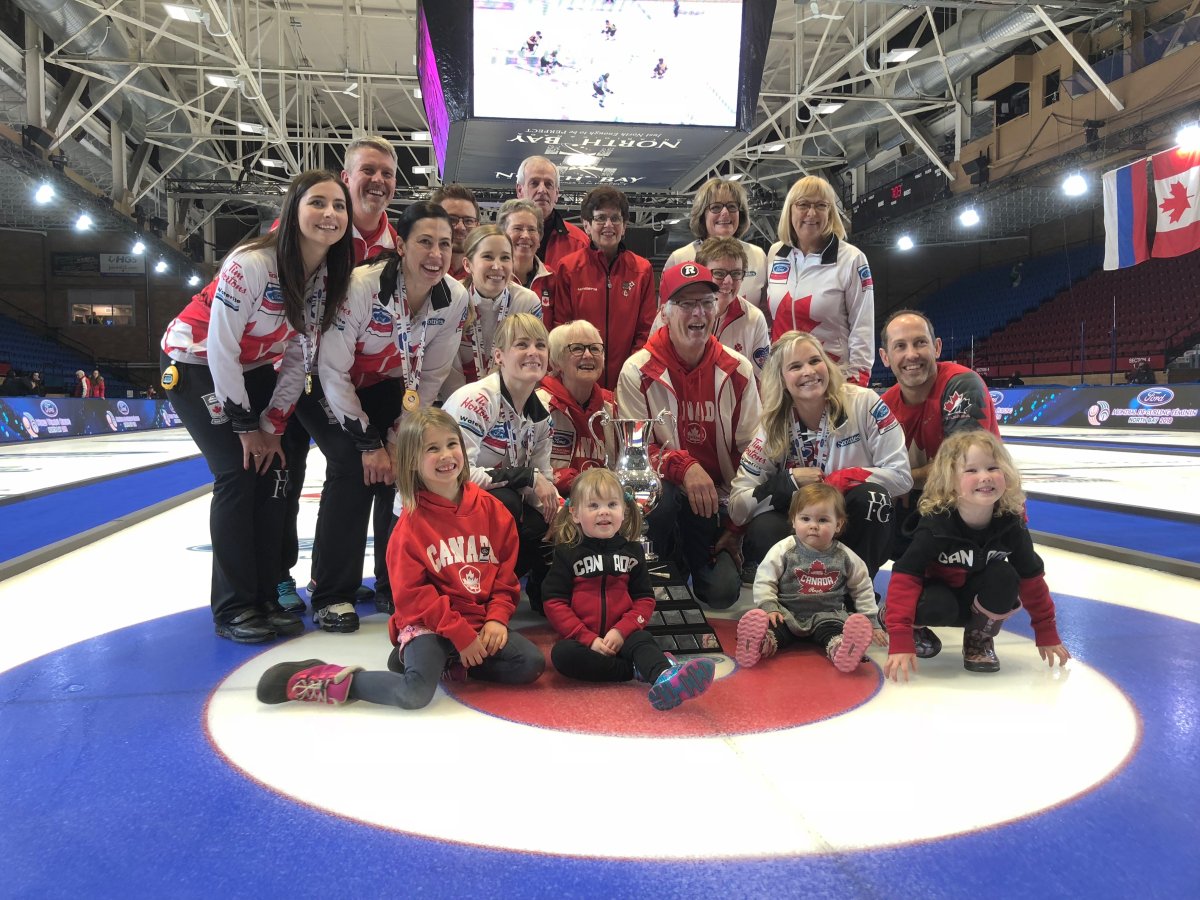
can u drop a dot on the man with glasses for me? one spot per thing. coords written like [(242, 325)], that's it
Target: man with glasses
[(711, 392), (459, 203), (610, 286), (537, 180), (721, 209)]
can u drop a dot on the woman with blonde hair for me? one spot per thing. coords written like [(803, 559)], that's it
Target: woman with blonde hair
[(722, 209), (819, 282), (523, 222), (816, 427)]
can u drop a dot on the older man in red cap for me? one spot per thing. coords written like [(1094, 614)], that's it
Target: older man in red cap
[(711, 393)]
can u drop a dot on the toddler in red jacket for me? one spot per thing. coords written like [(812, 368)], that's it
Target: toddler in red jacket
[(451, 557), (598, 597)]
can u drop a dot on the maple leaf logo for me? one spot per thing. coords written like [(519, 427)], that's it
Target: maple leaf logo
[(1177, 204)]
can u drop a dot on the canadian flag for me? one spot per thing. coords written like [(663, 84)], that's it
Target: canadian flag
[(1177, 196)]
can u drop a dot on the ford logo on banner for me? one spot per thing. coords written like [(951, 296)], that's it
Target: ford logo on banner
[(49, 409), (997, 397), (1155, 396)]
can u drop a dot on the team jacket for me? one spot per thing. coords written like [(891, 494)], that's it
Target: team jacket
[(496, 435), (617, 297), (754, 284), (246, 328), (452, 565), (541, 281), (560, 239), (866, 446), (371, 245), (958, 401), (364, 348), (598, 585), (946, 549), (488, 313), (574, 445), (722, 411), (832, 298), (743, 329), (800, 582), (97, 389)]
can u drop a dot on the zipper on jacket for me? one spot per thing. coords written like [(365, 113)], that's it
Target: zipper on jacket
[(603, 603)]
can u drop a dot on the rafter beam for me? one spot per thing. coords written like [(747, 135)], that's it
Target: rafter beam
[(1079, 59)]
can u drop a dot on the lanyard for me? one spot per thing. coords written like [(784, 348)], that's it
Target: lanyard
[(482, 366), (811, 448), (311, 333), (512, 452), (412, 374)]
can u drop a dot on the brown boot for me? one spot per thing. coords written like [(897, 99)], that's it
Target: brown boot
[(979, 653)]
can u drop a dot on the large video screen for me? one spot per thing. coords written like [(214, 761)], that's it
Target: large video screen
[(431, 90), (670, 62)]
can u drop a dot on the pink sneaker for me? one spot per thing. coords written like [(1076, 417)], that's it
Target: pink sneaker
[(310, 681), (755, 639), (856, 638)]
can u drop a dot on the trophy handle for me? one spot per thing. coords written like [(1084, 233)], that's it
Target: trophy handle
[(605, 421), (660, 420)]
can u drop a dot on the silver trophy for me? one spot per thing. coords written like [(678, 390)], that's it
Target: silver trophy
[(632, 465)]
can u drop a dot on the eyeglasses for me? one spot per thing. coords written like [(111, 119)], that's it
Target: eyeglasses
[(689, 307), (579, 349), (806, 205), (467, 221), (602, 219), (720, 275), (714, 209)]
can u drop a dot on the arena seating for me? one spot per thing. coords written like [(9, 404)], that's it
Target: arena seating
[(27, 352)]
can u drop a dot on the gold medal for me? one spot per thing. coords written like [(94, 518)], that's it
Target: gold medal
[(411, 400), (308, 382)]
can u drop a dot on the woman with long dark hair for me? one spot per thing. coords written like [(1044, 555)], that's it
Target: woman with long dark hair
[(273, 299)]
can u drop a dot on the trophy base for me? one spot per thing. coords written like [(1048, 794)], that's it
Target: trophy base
[(679, 626)]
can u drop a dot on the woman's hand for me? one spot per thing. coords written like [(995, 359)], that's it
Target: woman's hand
[(259, 449), (547, 496), (377, 467), (806, 475)]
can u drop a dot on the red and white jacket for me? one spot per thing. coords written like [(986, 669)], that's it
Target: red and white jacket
[(617, 297), (479, 333), (365, 345), (754, 284), (573, 443), (831, 296), (742, 329), (371, 245), (542, 282), (245, 328), (452, 565), (598, 585), (867, 446), (718, 415)]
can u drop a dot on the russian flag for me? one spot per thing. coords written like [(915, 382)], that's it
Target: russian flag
[(1125, 196), (1177, 193)]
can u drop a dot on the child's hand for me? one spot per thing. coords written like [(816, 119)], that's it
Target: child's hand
[(879, 637), (900, 664), (615, 640), (493, 636), (473, 654), (1058, 651), (774, 619), (602, 648)]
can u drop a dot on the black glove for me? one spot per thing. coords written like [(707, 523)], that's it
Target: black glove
[(779, 489), (515, 477)]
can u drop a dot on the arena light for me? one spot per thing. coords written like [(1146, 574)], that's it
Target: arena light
[(422, 170), (774, 147), (160, 266), (138, 248), (1074, 185), (183, 13), (44, 194), (194, 280), (1188, 137), (905, 243), (421, 136), (969, 217), (84, 222), (223, 81), (581, 159), (736, 176), (900, 55), (829, 106)]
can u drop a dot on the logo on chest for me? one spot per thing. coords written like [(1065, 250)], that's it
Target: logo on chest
[(817, 578)]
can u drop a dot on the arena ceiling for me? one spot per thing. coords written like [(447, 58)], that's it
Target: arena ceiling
[(197, 121)]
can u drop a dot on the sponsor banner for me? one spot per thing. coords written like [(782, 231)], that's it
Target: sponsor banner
[(37, 418), (1175, 407), (122, 264)]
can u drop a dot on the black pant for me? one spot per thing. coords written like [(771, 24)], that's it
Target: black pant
[(716, 580), (247, 511), (868, 532), (823, 632), (574, 660), (533, 556), (341, 534), (295, 449), (996, 587)]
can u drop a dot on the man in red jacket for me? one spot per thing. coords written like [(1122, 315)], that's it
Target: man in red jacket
[(537, 180), (610, 286), (370, 174)]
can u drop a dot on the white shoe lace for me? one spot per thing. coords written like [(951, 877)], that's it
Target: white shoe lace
[(311, 689)]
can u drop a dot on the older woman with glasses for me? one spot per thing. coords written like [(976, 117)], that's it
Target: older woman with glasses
[(572, 394), (721, 209), (819, 283)]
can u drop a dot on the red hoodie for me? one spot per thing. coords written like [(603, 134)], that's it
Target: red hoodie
[(452, 565), (574, 446)]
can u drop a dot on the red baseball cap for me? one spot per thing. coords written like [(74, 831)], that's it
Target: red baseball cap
[(678, 277)]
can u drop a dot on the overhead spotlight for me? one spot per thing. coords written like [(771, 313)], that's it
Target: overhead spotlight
[(581, 159), (160, 266), (1188, 137), (901, 54), (417, 93), (1074, 185), (905, 243), (829, 106), (183, 13), (83, 223), (420, 136), (969, 217), (773, 148), (737, 176), (223, 81), (138, 247), (272, 164), (251, 127), (194, 280), (44, 193), (422, 170), (1091, 130)]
